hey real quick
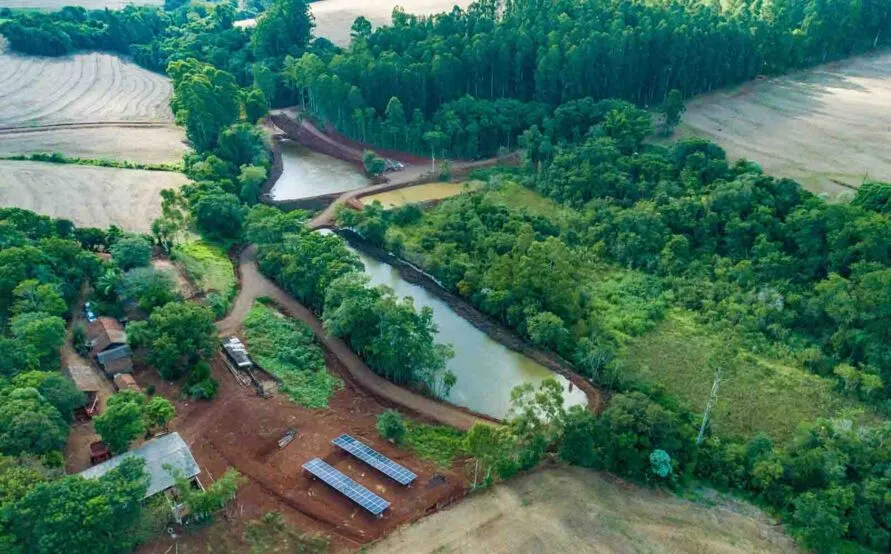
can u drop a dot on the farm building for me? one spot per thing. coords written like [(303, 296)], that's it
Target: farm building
[(163, 456), (108, 344), (236, 353), (125, 381), (88, 382)]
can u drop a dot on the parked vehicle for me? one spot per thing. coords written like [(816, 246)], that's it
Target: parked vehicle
[(88, 312)]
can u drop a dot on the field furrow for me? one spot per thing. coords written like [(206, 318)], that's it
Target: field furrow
[(92, 87)]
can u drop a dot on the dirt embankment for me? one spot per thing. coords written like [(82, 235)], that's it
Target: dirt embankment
[(481, 321), (255, 285)]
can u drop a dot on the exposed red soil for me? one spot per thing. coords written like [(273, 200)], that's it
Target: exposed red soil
[(239, 429)]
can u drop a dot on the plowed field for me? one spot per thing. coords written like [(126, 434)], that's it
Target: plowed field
[(827, 127), (88, 196)]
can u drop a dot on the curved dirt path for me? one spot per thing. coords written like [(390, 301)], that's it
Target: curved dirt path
[(255, 285)]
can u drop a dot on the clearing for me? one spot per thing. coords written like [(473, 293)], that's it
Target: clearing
[(825, 127), (756, 395), (91, 105), (88, 196), (566, 509), (419, 193)]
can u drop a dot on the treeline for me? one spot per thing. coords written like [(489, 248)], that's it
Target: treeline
[(396, 340), (451, 73)]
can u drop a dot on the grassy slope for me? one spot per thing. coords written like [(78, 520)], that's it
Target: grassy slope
[(287, 349), (208, 266), (763, 395), (758, 395)]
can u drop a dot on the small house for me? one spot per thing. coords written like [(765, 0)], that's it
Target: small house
[(108, 344), (164, 456), (88, 382)]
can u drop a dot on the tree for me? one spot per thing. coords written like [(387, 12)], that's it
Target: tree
[(177, 336), (29, 424), (81, 516), (242, 144), (220, 215), (203, 503), (373, 164), (43, 334), (131, 251), (59, 391), (360, 30), (285, 28), (205, 101), (122, 422), (577, 443), (251, 179), (256, 106), (490, 446), (158, 412), (148, 287), (660, 463), (547, 330), (31, 296), (672, 109), (391, 426), (435, 140)]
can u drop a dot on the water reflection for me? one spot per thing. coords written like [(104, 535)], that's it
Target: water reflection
[(486, 369), (307, 173)]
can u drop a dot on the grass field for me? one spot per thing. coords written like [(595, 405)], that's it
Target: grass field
[(756, 394), (575, 510), (208, 266), (419, 193), (826, 127), (88, 196)]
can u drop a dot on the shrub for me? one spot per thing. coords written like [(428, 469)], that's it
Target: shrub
[(391, 426)]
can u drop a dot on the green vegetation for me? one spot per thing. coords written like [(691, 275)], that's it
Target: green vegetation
[(757, 395), (211, 270), (287, 349), (271, 534), (180, 339), (436, 443), (391, 426), (59, 158), (395, 339), (127, 417), (147, 287)]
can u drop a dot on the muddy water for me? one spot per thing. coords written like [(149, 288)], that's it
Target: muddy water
[(419, 193), (486, 369), (308, 173)]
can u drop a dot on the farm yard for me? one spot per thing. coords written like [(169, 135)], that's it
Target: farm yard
[(240, 430), (88, 196), (826, 127), (565, 509)]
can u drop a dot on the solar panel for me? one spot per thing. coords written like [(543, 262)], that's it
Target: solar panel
[(346, 486), (375, 459)]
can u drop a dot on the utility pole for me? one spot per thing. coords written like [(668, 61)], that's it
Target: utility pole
[(712, 400)]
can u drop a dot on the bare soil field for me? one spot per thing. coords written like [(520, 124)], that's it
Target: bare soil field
[(565, 509), (88, 196), (826, 128), (87, 105), (80, 88), (334, 18), (53, 5), (239, 429), (160, 143)]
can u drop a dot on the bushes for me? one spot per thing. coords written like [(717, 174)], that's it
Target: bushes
[(288, 350), (211, 270), (391, 426), (131, 251)]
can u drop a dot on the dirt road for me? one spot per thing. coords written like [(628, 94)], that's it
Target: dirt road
[(255, 285)]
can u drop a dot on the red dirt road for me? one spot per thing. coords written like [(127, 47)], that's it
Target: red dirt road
[(255, 285)]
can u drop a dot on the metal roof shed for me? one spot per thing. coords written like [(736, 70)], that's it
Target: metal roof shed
[(237, 353), (167, 450)]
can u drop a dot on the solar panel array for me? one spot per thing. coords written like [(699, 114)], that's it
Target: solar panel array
[(375, 459), (346, 486)]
